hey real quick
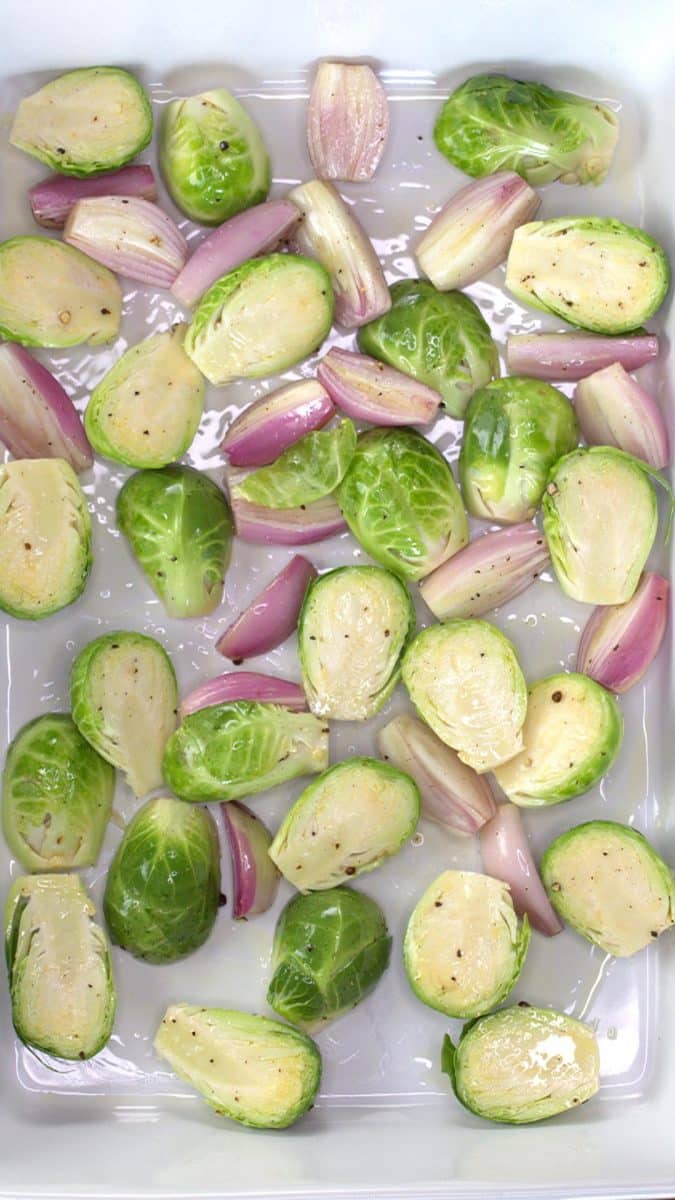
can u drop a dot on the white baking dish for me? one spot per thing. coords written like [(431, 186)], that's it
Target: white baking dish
[(385, 1125)]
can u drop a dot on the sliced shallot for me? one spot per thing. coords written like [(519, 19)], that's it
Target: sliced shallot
[(368, 390), (37, 417), (347, 121), (276, 421), (488, 572), (572, 356), (620, 642), (132, 237), (255, 877), (53, 198), (614, 410), (244, 685), (506, 855)]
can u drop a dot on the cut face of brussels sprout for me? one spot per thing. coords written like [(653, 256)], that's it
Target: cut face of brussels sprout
[(212, 157), (523, 1064), (514, 432), (572, 734), (53, 295), (440, 338), (146, 410), (251, 1069), (180, 529), (86, 121), (610, 885), (594, 272), (305, 472), (464, 679), (163, 885), (600, 521), (464, 946), (124, 701), (231, 750), (401, 502), (355, 816), (57, 795), (58, 961), (261, 318), (354, 626), (45, 537), (330, 950)]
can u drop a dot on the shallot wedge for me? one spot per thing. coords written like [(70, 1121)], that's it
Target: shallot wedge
[(286, 526), (255, 878), (276, 421), (52, 200), (572, 356), (132, 237), (272, 616), (244, 685), (614, 410), (37, 417), (488, 572), (620, 642), (347, 121), (368, 390), (506, 855)]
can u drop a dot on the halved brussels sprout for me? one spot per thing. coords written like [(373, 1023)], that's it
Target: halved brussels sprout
[(523, 1064), (251, 1069), (86, 121), (464, 947), (354, 626), (261, 318), (464, 679), (594, 272), (54, 295), (57, 795), (212, 157), (163, 885), (440, 338), (124, 701), (305, 472), (401, 502), (146, 410), (237, 749), (609, 884), (572, 734), (492, 122), (330, 950), (180, 529), (515, 430), (45, 537), (58, 961), (600, 521), (356, 815)]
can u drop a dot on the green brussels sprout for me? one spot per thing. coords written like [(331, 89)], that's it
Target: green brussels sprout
[(356, 815), (330, 950), (58, 961), (163, 886), (254, 1070), (236, 749), (522, 1064), (609, 884), (57, 795), (600, 522), (45, 537), (86, 121), (212, 157), (260, 318), (124, 700), (594, 272), (464, 679), (572, 734), (401, 502), (308, 470), (464, 947), (146, 410), (354, 625), (515, 430), (493, 123), (440, 338), (179, 526)]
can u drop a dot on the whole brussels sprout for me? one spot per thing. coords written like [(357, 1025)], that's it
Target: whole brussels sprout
[(87, 121), (180, 529), (163, 886), (464, 947), (57, 795), (58, 962), (212, 157), (440, 338), (254, 1070), (609, 884), (307, 471), (354, 625), (492, 123), (45, 537), (515, 430), (401, 502), (571, 736), (330, 950), (522, 1064)]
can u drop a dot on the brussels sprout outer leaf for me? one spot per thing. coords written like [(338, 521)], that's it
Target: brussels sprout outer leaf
[(305, 472), (448, 1053)]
